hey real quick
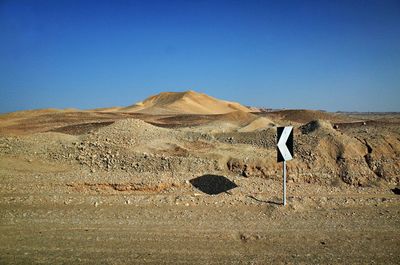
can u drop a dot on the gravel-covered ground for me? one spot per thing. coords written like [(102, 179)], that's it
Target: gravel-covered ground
[(109, 189)]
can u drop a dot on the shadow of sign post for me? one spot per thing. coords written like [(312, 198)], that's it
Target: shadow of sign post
[(212, 184)]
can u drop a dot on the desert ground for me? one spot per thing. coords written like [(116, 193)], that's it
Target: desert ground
[(184, 178)]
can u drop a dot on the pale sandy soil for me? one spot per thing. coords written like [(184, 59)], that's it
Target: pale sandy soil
[(134, 186)]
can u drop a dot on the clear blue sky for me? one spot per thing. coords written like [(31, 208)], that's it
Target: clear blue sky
[(332, 55)]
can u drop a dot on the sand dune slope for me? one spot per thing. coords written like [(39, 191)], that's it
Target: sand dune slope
[(258, 124), (188, 102)]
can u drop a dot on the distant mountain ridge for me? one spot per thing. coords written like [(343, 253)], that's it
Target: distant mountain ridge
[(165, 103)]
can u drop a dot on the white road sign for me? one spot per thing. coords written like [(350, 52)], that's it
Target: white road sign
[(285, 143)]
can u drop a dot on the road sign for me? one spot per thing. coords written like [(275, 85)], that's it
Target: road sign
[(285, 143), (285, 151)]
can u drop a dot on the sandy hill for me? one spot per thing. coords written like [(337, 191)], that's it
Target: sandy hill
[(258, 124), (188, 102), (238, 116), (35, 112)]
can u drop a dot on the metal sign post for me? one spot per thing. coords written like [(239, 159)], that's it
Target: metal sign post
[(284, 183), (285, 151)]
